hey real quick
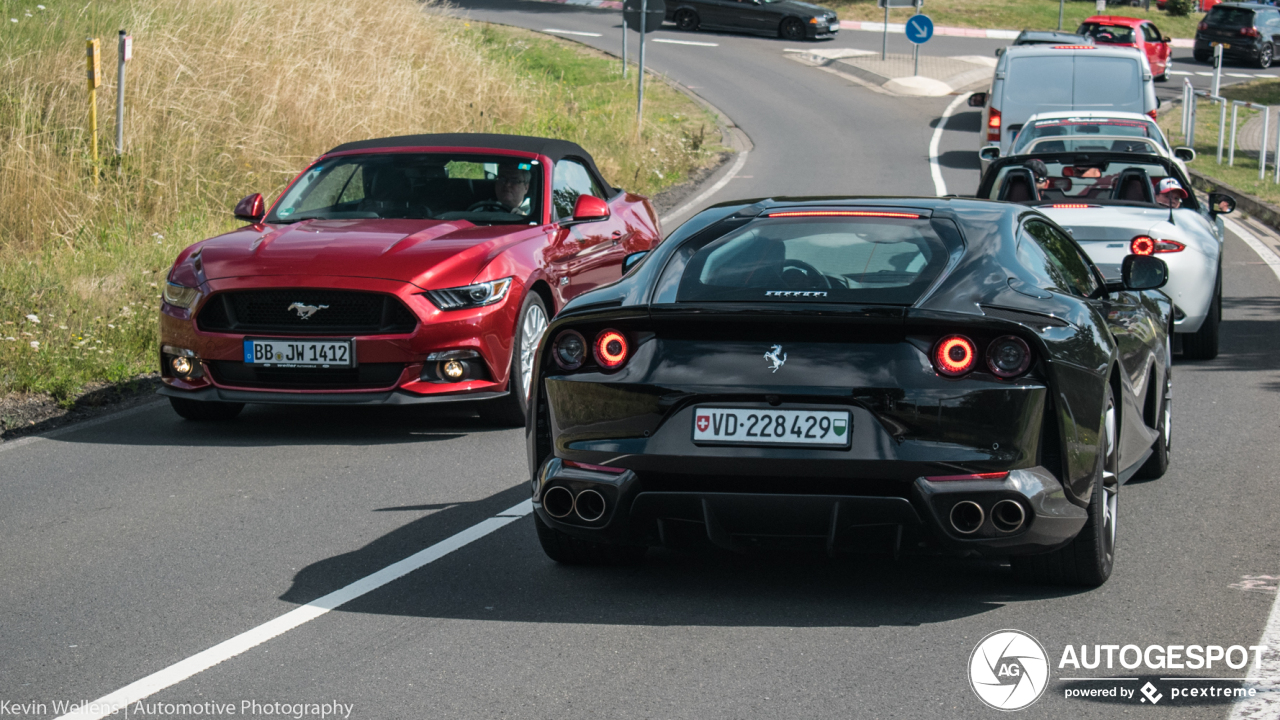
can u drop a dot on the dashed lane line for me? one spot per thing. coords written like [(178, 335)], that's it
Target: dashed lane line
[(571, 32), (176, 673), (935, 167), (684, 42)]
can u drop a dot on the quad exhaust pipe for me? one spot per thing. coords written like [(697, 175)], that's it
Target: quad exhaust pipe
[(966, 517), (1008, 515), (589, 505)]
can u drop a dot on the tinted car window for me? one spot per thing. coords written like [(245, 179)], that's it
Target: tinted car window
[(1083, 130), (570, 180), (1108, 33), (1053, 255), (1105, 82), (1151, 33), (872, 260), (1229, 17), (1039, 82)]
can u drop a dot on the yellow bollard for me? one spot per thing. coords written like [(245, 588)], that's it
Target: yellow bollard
[(93, 63)]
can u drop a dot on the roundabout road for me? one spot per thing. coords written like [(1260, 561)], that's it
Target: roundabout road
[(134, 544)]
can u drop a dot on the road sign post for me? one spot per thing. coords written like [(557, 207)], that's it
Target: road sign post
[(919, 30), (643, 16), (93, 67), (886, 4), (125, 55)]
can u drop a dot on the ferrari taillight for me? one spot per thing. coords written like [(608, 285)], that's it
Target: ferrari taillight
[(993, 126), (611, 349), (954, 355), (1008, 356)]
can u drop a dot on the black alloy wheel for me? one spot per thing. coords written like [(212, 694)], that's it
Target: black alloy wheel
[(1203, 343), (531, 323), (791, 29), (1089, 558), (687, 20), (1158, 464), (1265, 56), (205, 411), (568, 549)]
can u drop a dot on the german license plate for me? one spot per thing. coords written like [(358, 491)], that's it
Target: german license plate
[(300, 353), (748, 426)]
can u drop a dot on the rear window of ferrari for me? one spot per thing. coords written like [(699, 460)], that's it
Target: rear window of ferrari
[(888, 258)]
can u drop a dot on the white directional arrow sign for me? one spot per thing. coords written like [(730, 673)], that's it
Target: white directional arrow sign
[(919, 29)]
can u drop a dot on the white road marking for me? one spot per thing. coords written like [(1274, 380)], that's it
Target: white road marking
[(1271, 259), (1243, 75), (176, 673), (1204, 74), (110, 417), (1178, 72), (1264, 75), (737, 165), (571, 32), (940, 185), (1264, 675), (684, 42)]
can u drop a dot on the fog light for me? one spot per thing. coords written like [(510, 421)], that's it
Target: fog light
[(454, 370), (181, 366)]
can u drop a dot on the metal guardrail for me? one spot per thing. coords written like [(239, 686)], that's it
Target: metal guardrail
[(1189, 111)]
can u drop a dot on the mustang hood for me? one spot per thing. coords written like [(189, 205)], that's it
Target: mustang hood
[(412, 251)]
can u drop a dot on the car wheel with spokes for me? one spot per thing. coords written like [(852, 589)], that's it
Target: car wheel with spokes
[(1089, 558), (687, 20), (791, 29), (531, 323), (1265, 56)]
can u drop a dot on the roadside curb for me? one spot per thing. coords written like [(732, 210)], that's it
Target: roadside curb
[(1260, 210)]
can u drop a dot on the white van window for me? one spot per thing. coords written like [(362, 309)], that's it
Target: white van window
[(1108, 83), (1039, 84)]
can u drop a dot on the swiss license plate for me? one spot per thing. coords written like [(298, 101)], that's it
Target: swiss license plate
[(750, 426), (300, 353)]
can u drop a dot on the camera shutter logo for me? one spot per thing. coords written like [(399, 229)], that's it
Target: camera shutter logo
[(1008, 670)]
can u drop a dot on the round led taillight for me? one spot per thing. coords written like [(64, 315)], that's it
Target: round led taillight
[(1142, 245), (1008, 356), (611, 349), (570, 350), (954, 355)]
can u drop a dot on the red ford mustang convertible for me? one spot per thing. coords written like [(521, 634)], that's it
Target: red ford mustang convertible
[(418, 269)]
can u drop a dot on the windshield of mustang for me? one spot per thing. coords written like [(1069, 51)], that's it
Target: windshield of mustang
[(821, 259), (484, 189)]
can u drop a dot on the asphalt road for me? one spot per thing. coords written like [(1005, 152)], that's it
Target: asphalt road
[(133, 544)]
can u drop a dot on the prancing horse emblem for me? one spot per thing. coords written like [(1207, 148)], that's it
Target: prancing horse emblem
[(773, 357), (306, 311)]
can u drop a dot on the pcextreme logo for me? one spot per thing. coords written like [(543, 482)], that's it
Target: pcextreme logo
[(1009, 670)]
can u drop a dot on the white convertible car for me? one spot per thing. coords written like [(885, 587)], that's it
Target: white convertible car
[(1112, 204)]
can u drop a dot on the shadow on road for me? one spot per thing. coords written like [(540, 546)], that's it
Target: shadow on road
[(960, 160), (1247, 344), (505, 577), (968, 121)]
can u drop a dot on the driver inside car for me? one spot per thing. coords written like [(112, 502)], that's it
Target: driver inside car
[(510, 188)]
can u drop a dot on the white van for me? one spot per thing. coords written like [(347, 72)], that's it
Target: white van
[(1034, 79)]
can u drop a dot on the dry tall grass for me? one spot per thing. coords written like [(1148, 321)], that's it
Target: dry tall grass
[(228, 97)]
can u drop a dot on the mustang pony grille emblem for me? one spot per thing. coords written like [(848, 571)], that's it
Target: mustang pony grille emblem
[(773, 357), (306, 311)]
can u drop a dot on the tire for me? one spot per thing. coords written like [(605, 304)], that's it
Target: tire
[(1203, 343), (1090, 557), (531, 323), (687, 20), (205, 411), (567, 549), (791, 29), (1201, 56), (1158, 464), (1265, 56)]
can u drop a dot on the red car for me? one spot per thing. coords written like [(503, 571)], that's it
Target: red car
[(1131, 32), (418, 269)]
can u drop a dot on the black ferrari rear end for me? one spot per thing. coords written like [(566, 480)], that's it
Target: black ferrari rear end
[(804, 376)]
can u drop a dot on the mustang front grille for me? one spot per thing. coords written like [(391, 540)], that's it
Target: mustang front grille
[(306, 312)]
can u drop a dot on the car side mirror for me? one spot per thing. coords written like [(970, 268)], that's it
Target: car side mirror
[(1143, 272), (631, 260), (588, 208), (1166, 39), (1158, 103), (999, 52), (978, 99), (251, 209), (989, 153), (1185, 154), (1220, 204)]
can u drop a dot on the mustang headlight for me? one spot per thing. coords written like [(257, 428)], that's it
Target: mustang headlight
[(470, 296), (180, 295)]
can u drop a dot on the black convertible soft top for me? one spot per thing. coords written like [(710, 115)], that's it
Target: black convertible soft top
[(554, 149)]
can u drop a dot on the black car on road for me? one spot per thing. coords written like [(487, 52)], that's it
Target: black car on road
[(787, 19), (1249, 32), (854, 374)]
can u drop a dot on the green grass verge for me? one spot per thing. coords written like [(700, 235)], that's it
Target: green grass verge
[(1013, 14)]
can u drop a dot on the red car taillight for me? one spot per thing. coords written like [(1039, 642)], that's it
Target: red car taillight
[(1152, 114), (993, 126), (611, 349), (954, 355), (1145, 245), (569, 350), (1250, 32), (1008, 356), (1203, 25)]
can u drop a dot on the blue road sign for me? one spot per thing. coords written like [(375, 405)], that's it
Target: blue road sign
[(919, 29)]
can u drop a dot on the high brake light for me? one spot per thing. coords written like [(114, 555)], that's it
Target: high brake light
[(1072, 206), (954, 355), (1074, 47), (993, 126), (1145, 245), (611, 349), (844, 213)]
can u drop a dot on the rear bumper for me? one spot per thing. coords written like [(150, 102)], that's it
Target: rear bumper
[(915, 519)]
